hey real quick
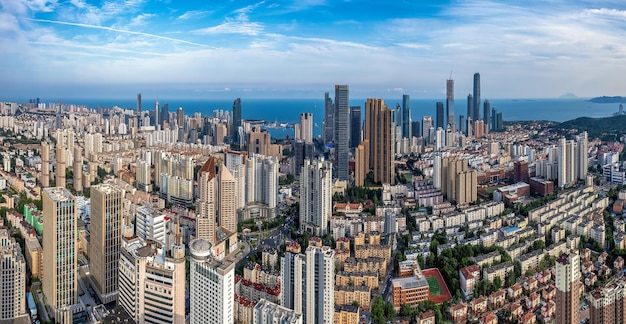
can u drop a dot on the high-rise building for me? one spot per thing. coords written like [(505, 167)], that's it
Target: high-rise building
[(379, 131), (45, 165), (306, 127), (520, 171), (308, 283), (235, 161), (607, 304), (217, 214), (78, 169), (151, 225), (156, 115), (151, 280), (566, 162), (60, 263), (476, 103), (180, 117), (355, 126), (234, 132), (567, 288), (406, 116), (450, 101), (440, 139), (466, 183), (61, 158), (211, 285), (342, 131), (138, 103), (104, 244), (487, 115), (462, 126), (427, 123), (361, 163), (470, 107), (439, 118), (315, 196), (415, 129), (262, 180), (582, 157), (302, 151), (12, 279), (328, 130), (479, 128), (164, 115)]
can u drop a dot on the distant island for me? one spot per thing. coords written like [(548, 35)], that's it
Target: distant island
[(568, 95), (608, 99)]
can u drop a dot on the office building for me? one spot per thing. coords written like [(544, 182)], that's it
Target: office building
[(235, 162), (355, 126), (567, 288), (406, 116), (470, 107), (476, 102), (439, 118), (415, 129), (234, 131), (462, 125), (328, 126), (315, 196), (379, 131), (302, 151), (211, 285), (180, 117), (342, 131), (607, 305), (216, 221), (520, 172), (450, 101), (12, 279), (61, 158), (60, 254), (78, 169), (308, 283), (487, 115), (427, 124), (104, 244), (155, 116), (151, 225), (306, 128), (138, 103), (361, 163), (151, 280), (266, 312)]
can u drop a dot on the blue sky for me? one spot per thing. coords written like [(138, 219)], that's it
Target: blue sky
[(225, 49)]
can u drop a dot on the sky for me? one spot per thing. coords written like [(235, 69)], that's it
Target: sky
[(302, 48)]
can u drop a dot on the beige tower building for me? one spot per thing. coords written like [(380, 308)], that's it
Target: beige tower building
[(78, 169), (306, 127), (45, 165), (60, 253), (61, 158), (466, 183), (105, 233), (567, 288), (379, 131), (217, 211), (12, 279), (361, 163)]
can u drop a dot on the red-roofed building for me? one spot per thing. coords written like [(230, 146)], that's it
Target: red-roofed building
[(479, 305), (348, 208), (459, 312), (490, 318), (468, 277), (528, 318)]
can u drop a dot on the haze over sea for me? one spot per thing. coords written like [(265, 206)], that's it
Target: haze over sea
[(288, 110)]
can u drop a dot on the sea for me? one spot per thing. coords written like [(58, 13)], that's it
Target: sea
[(288, 110)]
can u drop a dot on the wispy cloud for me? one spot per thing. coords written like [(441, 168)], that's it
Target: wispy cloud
[(115, 30), (607, 12), (240, 24), (192, 14)]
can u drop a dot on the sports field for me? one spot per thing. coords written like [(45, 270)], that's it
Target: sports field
[(437, 288)]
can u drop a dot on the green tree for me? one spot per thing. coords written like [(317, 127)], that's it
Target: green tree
[(497, 283)]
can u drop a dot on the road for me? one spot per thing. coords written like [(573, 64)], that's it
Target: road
[(42, 312), (274, 240)]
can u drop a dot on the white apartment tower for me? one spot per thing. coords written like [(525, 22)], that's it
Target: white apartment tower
[(262, 180), (211, 285), (567, 173), (315, 196), (567, 287), (12, 278), (236, 163), (151, 225), (308, 283)]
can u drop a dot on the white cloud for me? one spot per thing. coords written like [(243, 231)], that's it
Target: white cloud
[(192, 14), (607, 12)]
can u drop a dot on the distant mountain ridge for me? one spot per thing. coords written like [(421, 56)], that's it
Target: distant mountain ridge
[(596, 127), (608, 99)]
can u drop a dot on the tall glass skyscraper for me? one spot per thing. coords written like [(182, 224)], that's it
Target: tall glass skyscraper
[(342, 131), (406, 116), (450, 101), (476, 103), (355, 126), (439, 119), (487, 115), (236, 121), (328, 128)]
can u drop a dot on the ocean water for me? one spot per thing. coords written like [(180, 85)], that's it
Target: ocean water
[(288, 110)]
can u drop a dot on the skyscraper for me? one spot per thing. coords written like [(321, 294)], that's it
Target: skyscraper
[(450, 101), (487, 115), (164, 115), (234, 132), (60, 253), (262, 180), (211, 285), (315, 196), (567, 287), (406, 116), (379, 131), (415, 129), (139, 104), (78, 169), (308, 283), (476, 103), (342, 131), (306, 127), (470, 107), (157, 115), (582, 157), (355, 126), (565, 160), (104, 246), (45, 164), (12, 279), (607, 304), (61, 158), (427, 123), (328, 130), (439, 118)]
